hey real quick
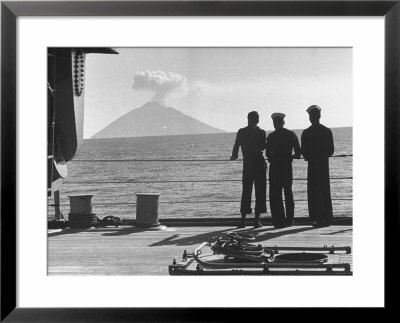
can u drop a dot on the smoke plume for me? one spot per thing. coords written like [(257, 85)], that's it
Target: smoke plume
[(162, 84)]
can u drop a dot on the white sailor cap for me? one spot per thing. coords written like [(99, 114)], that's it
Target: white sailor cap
[(277, 115), (313, 107)]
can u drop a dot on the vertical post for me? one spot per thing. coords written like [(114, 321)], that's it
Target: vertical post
[(147, 211), (57, 211), (51, 117), (81, 214)]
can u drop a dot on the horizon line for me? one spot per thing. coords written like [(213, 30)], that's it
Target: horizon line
[(194, 134)]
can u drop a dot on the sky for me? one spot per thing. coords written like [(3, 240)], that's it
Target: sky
[(219, 86)]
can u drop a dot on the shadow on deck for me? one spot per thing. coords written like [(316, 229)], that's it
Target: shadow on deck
[(137, 251), (260, 235)]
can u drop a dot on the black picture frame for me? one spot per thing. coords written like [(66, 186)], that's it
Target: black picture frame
[(11, 10)]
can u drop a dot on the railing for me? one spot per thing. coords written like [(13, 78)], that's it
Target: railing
[(182, 181), (173, 160)]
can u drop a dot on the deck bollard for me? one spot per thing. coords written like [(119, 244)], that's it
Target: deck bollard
[(81, 214), (147, 211)]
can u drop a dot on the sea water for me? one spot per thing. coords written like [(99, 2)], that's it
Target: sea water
[(187, 188)]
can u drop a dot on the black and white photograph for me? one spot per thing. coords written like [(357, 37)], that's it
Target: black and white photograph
[(190, 161), (200, 161)]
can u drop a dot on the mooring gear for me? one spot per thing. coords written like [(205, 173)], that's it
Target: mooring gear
[(57, 224), (109, 220), (234, 255), (236, 246), (239, 237)]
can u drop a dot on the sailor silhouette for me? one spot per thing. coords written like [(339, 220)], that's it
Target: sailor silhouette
[(316, 147), (251, 140), (279, 151)]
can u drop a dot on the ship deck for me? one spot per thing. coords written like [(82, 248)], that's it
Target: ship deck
[(128, 250)]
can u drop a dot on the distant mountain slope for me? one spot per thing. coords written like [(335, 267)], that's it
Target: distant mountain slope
[(153, 119)]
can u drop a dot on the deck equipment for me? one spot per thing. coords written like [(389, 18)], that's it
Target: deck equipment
[(109, 221), (52, 223), (234, 255)]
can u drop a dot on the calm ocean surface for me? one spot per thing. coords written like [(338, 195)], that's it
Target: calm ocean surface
[(185, 199)]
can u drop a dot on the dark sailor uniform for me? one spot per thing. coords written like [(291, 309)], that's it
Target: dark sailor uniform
[(252, 143), (279, 148), (316, 147)]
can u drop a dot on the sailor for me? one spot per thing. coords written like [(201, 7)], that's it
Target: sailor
[(316, 147), (279, 151), (251, 139)]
